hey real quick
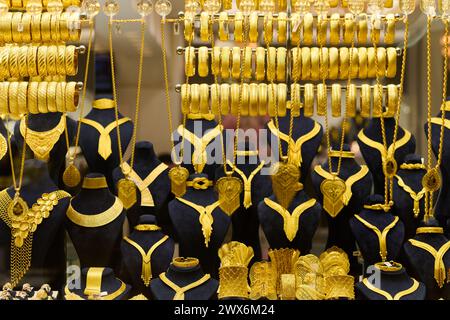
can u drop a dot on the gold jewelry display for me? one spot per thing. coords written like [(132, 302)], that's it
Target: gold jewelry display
[(233, 282), (340, 286), (111, 296), (424, 230), (308, 24), (333, 72), (238, 27), (203, 62), (415, 196), (95, 183), (223, 26), (181, 291), (95, 220)]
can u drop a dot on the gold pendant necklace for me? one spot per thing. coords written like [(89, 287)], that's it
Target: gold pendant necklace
[(126, 189), (332, 191), (71, 176), (178, 176), (285, 183), (229, 189)]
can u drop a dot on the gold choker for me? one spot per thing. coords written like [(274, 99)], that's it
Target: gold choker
[(181, 262), (147, 227), (95, 183), (412, 166), (390, 266), (378, 207), (423, 230), (103, 104), (343, 154), (95, 220)]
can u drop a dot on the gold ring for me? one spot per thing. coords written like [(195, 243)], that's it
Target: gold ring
[(336, 101), (351, 100), (45, 27), (253, 101), (223, 26), (260, 64), (392, 100), (51, 97), (365, 101), (262, 99), (4, 94), (281, 64), (14, 62), (22, 94), (295, 29), (362, 62), (349, 28), (238, 27), (253, 29), (354, 59), (306, 63), (268, 28), (315, 66), (381, 56), (42, 97), (335, 29), (324, 60), (60, 97), (215, 99), (16, 21), (247, 67), (371, 69), (225, 63), (391, 70), (12, 94), (195, 99), (23, 64), (245, 100), (308, 105), (225, 98), (362, 30), (188, 30), (26, 25), (5, 27), (343, 62), (296, 64), (189, 61), (204, 27), (377, 101), (203, 62), (64, 26), (308, 23), (282, 27), (36, 28), (185, 96), (33, 88), (72, 97), (272, 100), (281, 99), (271, 63), (215, 61), (42, 61), (334, 63), (322, 99), (52, 52), (61, 60), (235, 98), (204, 98), (236, 65)]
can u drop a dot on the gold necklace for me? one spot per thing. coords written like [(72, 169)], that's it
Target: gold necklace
[(95, 220), (389, 296), (112, 296), (438, 230), (180, 291), (415, 196), (3, 146), (147, 227)]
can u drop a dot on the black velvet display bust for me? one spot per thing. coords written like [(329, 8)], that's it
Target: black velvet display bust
[(403, 203), (392, 282), (189, 230), (372, 156), (5, 164), (89, 140), (422, 262), (245, 221), (132, 259), (339, 232), (368, 240), (106, 251), (109, 285), (45, 122), (183, 277), (145, 162), (48, 251), (302, 127)]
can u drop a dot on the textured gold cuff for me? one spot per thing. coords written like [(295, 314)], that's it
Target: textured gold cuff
[(51, 60), (324, 60), (377, 101), (281, 64), (45, 27), (391, 71), (260, 64), (32, 59), (253, 29), (281, 99), (64, 26), (204, 27), (343, 62), (239, 27), (203, 62), (189, 61), (315, 68), (282, 27), (42, 97), (22, 94), (351, 101), (61, 60), (6, 28), (4, 94), (271, 63), (365, 101), (247, 67), (262, 99), (33, 88), (225, 63), (272, 99), (14, 62), (236, 63), (336, 101), (362, 62), (54, 27), (335, 29), (185, 96), (23, 64), (12, 94), (334, 63), (204, 98), (308, 105), (306, 63), (71, 97), (245, 100), (36, 28), (223, 26), (308, 22), (322, 99), (322, 28), (354, 59), (51, 97), (295, 100), (4, 62), (268, 28), (195, 98), (225, 98), (42, 61)]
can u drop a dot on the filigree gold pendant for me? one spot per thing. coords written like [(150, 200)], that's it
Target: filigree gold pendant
[(178, 177), (390, 167), (126, 191), (229, 190), (332, 191), (17, 211), (285, 183), (432, 180), (71, 176)]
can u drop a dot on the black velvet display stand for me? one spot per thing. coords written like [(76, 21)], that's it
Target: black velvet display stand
[(422, 262), (302, 126), (110, 284), (183, 277), (145, 162), (373, 157), (189, 230), (339, 232), (132, 259), (45, 122), (5, 164), (89, 139), (99, 246), (367, 239), (245, 221), (48, 251)]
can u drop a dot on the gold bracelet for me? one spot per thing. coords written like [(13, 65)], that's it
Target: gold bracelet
[(36, 28), (308, 102), (51, 97), (389, 34), (260, 64), (235, 98), (185, 97), (215, 99), (60, 97), (204, 26), (392, 100), (51, 60), (282, 5), (272, 99), (22, 93), (23, 64), (271, 63), (281, 99), (189, 61), (354, 58), (351, 100), (253, 29), (14, 62), (64, 26), (335, 29), (72, 97), (308, 23), (362, 62), (71, 60), (296, 63), (381, 55), (247, 67), (371, 69), (203, 62), (322, 29), (334, 3), (365, 101), (375, 34), (54, 27), (204, 98), (306, 63), (42, 97), (377, 101), (225, 98), (26, 26), (188, 30), (236, 63), (42, 61), (282, 27), (33, 88), (223, 26), (227, 4), (74, 33), (215, 61), (268, 28), (6, 28), (32, 59), (388, 3), (295, 100), (195, 98), (362, 30), (245, 99), (391, 70), (12, 94), (16, 21), (343, 62), (349, 28), (295, 28), (253, 100), (4, 63), (334, 63), (45, 27), (336, 102), (61, 60), (322, 99), (281, 64), (315, 60), (238, 27), (225, 63), (262, 99), (4, 94), (324, 60)]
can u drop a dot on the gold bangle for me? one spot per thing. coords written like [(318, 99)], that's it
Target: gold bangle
[(227, 4), (334, 3), (4, 62), (189, 61), (5, 27), (195, 99), (260, 64), (16, 21), (26, 26), (295, 100), (64, 26), (281, 99), (60, 97), (334, 63), (388, 3), (308, 105), (262, 99), (51, 97), (215, 99), (272, 100), (235, 98), (12, 98), (245, 99), (215, 61), (375, 33), (253, 100), (282, 27), (14, 62), (238, 27), (351, 100), (365, 101), (371, 70), (389, 34), (36, 28), (71, 61), (343, 62), (324, 60), (33, 88), (392, 100), (225, 98), (391, 70), (268, 28), (22, 94), (322, 28), (308, 22), (223, 26), (354, 59), (281, 64), (72, 97), (322, 99), (42, 97), (188, 30), (362, 62), (282, 5), (295, 28), (74, 33), (42, 61), (236, 63), (287, 287), (315, 66), (204, 98), (271, 63), (45, 27), (51, 60), (306, 63), (335, 29), (253, 29), (61, 60), (225, 63), (54, 27), (247, 67), (4, 94), (204, 27), (362, 30), (381, 56), (349, 28), (32, 58), (23, 64), (336, 102), (203, 63), (185, 96), (296, 64), (377, 101)]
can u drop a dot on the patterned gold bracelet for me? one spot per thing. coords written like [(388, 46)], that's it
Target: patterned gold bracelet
[(343, 62), (16, 21), (371, 69), (296, 62), (33, 88), (322, 29), (382, 63), (203, 62), (306, 63), (253, 29), (188, 30), (271, 63), (282, 27), (296, 104), (247, 67), (335, 29), (6, 28), (349, 28), (52, 52), (4, 94), (268, 28), (245, 99), (26, 26), (60, 96), (336, 101), (324, 61), (295, 28), (315, 63), (42, 97), (51, 97), (22, 94), (362, 62), (334, 63), (72, 96), (223, 26), (391, 69), (215, 99), (225, 98), (236, 63), (36, 28), (235, 98), (23, 64), (260, 64), (71, 60), (42, 60), (189, 61), (308, 23), (365, 100), (4, 63), (45, 27), (14, 62), (61, 60), (54, 27), (281, 99), (389, 34), (238, 27), (272, 99), (204, 27), (308, 105), (195, 98), (253, 100), (225, 63), (322, 99), (354, 56), (392, 100), (262, 99), (375, 34), (12, 97), (64, 26), (281, 64), (377, 98), (204, 98), (351, 100)]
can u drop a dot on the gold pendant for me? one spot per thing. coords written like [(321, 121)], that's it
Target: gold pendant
[(229, 189), (432, 181), (285, 183), (332, 191), (71, 176), (390, 167), (17, 211), (126, 190), (178, 177)]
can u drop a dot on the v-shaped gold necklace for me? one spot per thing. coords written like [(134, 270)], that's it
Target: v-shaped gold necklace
[(180, 291), (389, 296)]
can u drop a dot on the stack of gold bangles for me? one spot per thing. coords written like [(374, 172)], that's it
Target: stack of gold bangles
[(38, 97), (21, 4)]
